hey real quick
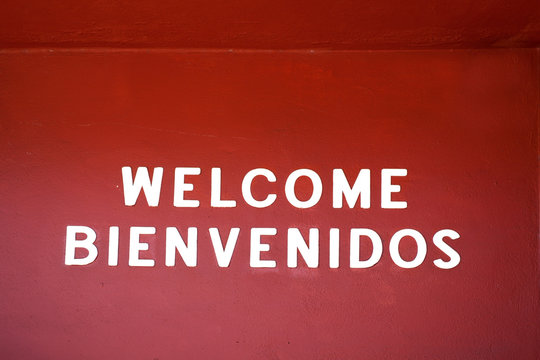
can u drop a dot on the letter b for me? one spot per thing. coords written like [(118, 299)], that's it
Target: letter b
[(72, 243)]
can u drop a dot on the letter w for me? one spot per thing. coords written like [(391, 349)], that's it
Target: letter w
[(132, 188)]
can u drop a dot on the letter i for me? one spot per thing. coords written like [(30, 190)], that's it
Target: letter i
[(334, 248), (113, 245)]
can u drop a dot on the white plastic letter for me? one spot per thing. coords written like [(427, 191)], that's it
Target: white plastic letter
[(215, 193), (224, 253), (113, 245), (342, 188), (135, 246), (334, 248), (72, 243), (420, 243), (174, 242), (296, 243), (132, 187), (256, 248), (317, 188), (246, 188), (387, 188), (180, 186), (376, 255), (451, 253)]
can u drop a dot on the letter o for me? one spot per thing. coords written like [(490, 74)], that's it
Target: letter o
[(420, 243), (317, 188)]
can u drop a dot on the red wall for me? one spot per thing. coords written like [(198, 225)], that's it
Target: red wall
[(275, 24), (464, 124)]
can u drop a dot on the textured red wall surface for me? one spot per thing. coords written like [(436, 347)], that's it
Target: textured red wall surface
[(275, 24), (464, 124)]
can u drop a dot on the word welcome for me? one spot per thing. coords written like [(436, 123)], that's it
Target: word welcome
[(341, 188)]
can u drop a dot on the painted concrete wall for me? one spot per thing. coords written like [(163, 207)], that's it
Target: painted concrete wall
[(463, 123), (276, 24)]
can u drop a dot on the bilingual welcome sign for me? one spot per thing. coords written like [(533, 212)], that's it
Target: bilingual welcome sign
[(359, 194)]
